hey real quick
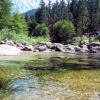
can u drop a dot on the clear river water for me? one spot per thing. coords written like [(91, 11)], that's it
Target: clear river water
[(50, 76)]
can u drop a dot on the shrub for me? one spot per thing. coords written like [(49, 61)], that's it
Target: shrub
[(6, 33), (63, 31), (78, 39), (41, 30)]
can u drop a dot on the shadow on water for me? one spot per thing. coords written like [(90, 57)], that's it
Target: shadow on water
[(78, 62)]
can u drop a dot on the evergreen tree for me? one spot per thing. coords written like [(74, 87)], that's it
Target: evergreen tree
[(42, 13), (63, 10), (49, 13), (74, 11), (19, 24), (5, 11), (83, 17), (94, 14)]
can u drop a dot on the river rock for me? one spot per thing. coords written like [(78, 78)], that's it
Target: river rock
[(41, 47), (49, 45), (8, 50), (82, 43), (20, 46), (7, 41), (94, 44), (28, 48), (69, 48), (58, 47), (95, 49)]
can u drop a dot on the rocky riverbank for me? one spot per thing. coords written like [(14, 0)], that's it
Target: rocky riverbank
[(8, 47)]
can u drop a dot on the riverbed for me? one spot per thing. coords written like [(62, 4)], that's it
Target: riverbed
[(50, 76)]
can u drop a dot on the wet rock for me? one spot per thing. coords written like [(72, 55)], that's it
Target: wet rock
[(49, 45), (9, 50), (2, 42), (28, 48), (82, 43), (35, 50), (94, 44), (7, 41), (58, 47), (48, 50), (41, 47), (10, 42), (69, 48), (84, 46), (95, 49), (20, 46)]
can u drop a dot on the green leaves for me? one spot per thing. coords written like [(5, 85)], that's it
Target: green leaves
[(63, 30), (41, 30)]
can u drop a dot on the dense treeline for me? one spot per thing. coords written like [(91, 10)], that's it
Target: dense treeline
[(62, 21), (84, 15)]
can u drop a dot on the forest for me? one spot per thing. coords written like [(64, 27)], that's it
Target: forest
[(52, 53), (69, 21)]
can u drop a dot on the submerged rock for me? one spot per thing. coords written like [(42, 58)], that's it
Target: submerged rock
[(9, 50)]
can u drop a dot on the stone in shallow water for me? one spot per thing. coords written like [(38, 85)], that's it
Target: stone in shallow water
[(31, 88)]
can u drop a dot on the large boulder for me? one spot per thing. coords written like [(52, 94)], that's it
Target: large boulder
[(8, 50)]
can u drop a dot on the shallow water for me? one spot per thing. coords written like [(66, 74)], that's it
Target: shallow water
[(53, 76)]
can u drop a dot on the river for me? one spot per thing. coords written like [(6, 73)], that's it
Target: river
[(50, 76)]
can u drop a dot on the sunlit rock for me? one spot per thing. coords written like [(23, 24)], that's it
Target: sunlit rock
[(9, 50)]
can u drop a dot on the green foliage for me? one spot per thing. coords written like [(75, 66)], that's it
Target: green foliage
[(41, 14), (78, 39), (19, 24), (41, 30), (6, 33), (63, 31), (23, 38), (83, 18), (5, 11), (94, 15)]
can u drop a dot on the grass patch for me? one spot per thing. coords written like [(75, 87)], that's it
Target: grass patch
[(20, 38)]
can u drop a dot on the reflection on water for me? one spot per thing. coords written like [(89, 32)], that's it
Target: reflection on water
[(54, 76)]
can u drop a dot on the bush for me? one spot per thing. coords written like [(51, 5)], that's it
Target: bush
[(41, 30), (6, 33), (21, 38), (78, 39), (63, 31)]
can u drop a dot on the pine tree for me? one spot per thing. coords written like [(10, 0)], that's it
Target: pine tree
[(63, 10), (74, 11), (19, 24), (42, 13), (94, 14), (5, 11), (49, 13), (83, 17)]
